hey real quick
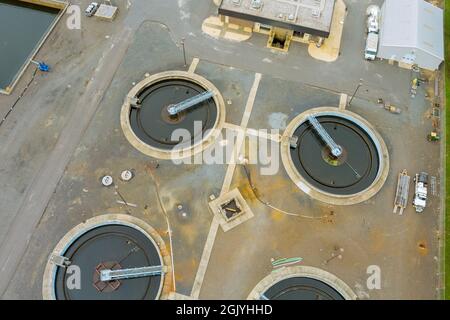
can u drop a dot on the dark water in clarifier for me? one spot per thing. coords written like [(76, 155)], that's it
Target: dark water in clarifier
[(301, 288), (22, 26), (116, 244), (152, 124), (352, 173)]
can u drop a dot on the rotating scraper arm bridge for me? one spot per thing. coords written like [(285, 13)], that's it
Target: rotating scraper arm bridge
[(110, 275), (189, 103), (336, 150)]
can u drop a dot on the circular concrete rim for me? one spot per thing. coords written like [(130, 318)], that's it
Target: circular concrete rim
[(48, 284), (178, 154), (305, 272), (313, 191)]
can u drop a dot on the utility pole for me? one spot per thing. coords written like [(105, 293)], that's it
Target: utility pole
[(354, 94), (184, 51)]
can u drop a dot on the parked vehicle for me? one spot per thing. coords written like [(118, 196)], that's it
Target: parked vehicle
[(373, 19), (421, 191), (433, 136), (370, 53), (373, 28), (392, 109), (91, 9)]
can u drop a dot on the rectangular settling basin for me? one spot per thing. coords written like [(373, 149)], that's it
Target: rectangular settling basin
[(23, 27)]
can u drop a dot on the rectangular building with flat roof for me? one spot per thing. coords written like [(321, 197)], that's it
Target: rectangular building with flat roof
[(312, 17)]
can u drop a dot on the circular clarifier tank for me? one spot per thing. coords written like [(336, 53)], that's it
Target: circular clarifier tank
[(99, 244), (150, 127), (301, 283), (351, 172), (302, 288), (352, 176)]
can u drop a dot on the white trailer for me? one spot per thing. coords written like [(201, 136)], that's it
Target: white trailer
[(370, 53), (402, 192)]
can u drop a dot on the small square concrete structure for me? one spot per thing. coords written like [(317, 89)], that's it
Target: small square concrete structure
[(106, 12), (245, 214)]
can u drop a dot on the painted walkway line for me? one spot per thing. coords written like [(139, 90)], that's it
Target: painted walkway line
[(203, 265), (343, 101), (253, 132), (193, 65)]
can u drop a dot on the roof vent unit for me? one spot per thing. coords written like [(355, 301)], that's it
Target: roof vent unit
[(256, 4), (236, 2), (316, 13)]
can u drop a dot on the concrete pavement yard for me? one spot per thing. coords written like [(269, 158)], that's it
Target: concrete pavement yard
[(369, 233)]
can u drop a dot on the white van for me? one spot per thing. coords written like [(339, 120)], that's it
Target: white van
[(91, 9)]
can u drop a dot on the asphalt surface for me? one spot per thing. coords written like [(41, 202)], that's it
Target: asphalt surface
[(44, 183)]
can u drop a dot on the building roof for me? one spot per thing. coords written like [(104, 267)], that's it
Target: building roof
[(310, 16), (106, 12), (420, 25)]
